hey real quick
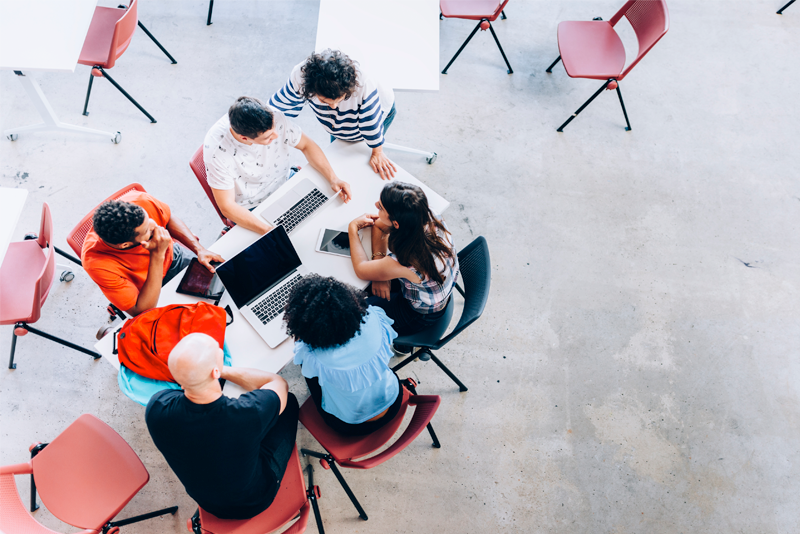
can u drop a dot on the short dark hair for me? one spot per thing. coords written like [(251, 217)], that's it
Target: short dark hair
[(323, 312), (115, 221), (329, 74), (250, 117)]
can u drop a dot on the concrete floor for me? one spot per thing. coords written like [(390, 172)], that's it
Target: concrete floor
[(636, 367)]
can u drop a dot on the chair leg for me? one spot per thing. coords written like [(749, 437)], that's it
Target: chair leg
[(312, 496), (88, 93), (603, 88), (780, 11), (11, 364), (34, 451), (143, 517), (150, 35), (210, 9), (69, 256), (449, 373), (121, 90), (405, 362), (621, 103), (410, 386), (496, 40), (361, 513), (503, 15), (462, 47), (60, 341), (550, 68)]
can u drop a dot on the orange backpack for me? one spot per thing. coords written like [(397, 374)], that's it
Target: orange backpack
[(144, 343)]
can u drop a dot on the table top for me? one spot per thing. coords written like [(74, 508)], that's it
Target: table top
[(11, 203), (396, 42), (350, 161), (43, 34)]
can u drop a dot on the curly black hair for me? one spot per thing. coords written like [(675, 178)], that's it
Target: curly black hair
[(324, 312), (116, 221), (329, 74), (250, 117)]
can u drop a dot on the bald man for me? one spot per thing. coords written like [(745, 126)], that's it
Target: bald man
[(230, 454)]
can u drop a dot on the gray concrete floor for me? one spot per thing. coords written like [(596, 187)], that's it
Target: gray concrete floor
[(636, 367)]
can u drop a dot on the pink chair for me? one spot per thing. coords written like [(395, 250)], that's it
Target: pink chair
[(780, 11), (484, 11), (592, 49), (85, 477), (26, 276), (109, 35), (344, 449), (292, 499), (198, 167)]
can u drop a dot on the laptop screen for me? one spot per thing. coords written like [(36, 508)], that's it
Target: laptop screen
[(258, 267)]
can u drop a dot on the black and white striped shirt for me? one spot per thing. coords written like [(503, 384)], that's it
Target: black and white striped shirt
[(358, 117)]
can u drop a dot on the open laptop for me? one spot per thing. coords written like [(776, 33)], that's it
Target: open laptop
[(296, 206), (259, 279)]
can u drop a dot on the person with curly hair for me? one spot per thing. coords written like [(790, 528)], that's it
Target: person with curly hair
[(343, 346), (135, 247), (349, 104), (414, 265), (247, 157)]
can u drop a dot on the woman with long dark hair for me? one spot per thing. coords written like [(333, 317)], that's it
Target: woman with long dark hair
[(414, 264)]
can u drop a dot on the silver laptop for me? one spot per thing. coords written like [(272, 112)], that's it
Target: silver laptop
[(296, 206), (259, 279)]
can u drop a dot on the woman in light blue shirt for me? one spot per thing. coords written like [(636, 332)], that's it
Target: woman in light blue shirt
[(343, 346)]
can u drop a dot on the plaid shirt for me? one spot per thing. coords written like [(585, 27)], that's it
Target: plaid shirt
[(430, 296)]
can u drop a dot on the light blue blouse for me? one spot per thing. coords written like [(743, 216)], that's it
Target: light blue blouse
[(355, 379)]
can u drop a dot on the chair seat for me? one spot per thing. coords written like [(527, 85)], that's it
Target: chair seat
[(15, 516), (431, 336), (349, 447), (97, 44), (590, 49), (471, 9), (290, 498), (21, 268)]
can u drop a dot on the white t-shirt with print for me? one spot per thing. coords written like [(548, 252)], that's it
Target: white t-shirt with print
[(253, 171)]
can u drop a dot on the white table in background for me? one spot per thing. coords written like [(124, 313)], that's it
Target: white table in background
[(350, 162), (44, 35), (11, 203), (395, 41)]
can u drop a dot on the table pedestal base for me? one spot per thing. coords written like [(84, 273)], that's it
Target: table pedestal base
[(430, 157)]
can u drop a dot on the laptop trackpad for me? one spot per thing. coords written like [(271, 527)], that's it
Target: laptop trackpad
[(289, 199)]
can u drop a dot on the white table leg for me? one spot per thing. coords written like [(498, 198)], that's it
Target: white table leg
[(430, 157), (49, 117)]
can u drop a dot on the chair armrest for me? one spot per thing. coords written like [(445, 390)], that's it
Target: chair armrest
[(17, 469), (426, 406), (300, 525)]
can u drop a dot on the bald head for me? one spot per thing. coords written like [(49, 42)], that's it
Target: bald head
[(194, 360)]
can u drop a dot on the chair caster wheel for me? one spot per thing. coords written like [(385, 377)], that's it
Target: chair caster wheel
[(12, 137), (117, 139), (431, 159), (67, 276)]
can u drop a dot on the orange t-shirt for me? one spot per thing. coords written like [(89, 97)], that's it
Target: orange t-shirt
[(122, 273)]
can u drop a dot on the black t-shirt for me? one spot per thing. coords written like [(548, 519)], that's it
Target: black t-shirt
[(214, 448)]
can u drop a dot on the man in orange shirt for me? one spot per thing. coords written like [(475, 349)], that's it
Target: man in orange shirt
[(135, 248)]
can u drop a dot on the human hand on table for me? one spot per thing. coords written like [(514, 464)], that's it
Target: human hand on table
[(340, 185), (205, 257), (381, 164), (362, 221), (381, 289)]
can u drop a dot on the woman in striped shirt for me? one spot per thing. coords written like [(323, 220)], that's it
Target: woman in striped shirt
[(348, 104), (414, 264)]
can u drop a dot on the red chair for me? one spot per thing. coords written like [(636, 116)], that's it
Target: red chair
[(198, 167), (26, 276), (343, 449), (484, 11), (109, 35), (592, 49), (292, 499), (780, 11), (85, 477)]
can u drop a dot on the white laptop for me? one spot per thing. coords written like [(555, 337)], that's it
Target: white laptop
[(296, 205), (259, 279)]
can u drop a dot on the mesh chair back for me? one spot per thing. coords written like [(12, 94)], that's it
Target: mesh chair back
[(78, 234), (123, 33), (650, 21), (198, 167)]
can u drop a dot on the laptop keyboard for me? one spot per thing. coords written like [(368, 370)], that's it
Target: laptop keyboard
[(300, 211), (269, 308)]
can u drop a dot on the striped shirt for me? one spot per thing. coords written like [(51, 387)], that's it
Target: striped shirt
[(429, 296), (357, 118)]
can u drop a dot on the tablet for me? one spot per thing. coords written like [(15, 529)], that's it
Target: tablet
[(198, 281), (334, 242)]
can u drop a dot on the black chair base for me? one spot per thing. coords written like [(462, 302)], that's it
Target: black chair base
[(32, 330), (780, 11), (210, 9), (115, 84), (585, 104), (496, 40), (421, 353)]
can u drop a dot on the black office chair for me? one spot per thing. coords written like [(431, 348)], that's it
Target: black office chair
[(780, 11), (476, 274)]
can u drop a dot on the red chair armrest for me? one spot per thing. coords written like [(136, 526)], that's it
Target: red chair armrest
[(300, 525), (17, 469), (426, 406)]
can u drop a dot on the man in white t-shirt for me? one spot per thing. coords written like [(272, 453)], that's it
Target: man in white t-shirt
[(247, 154)]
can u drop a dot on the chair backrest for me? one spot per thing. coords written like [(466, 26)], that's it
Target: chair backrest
[(198, 167), (650, 22), (45, 279), (123, 33), (78, 234), (88, 473), (476, 274)]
